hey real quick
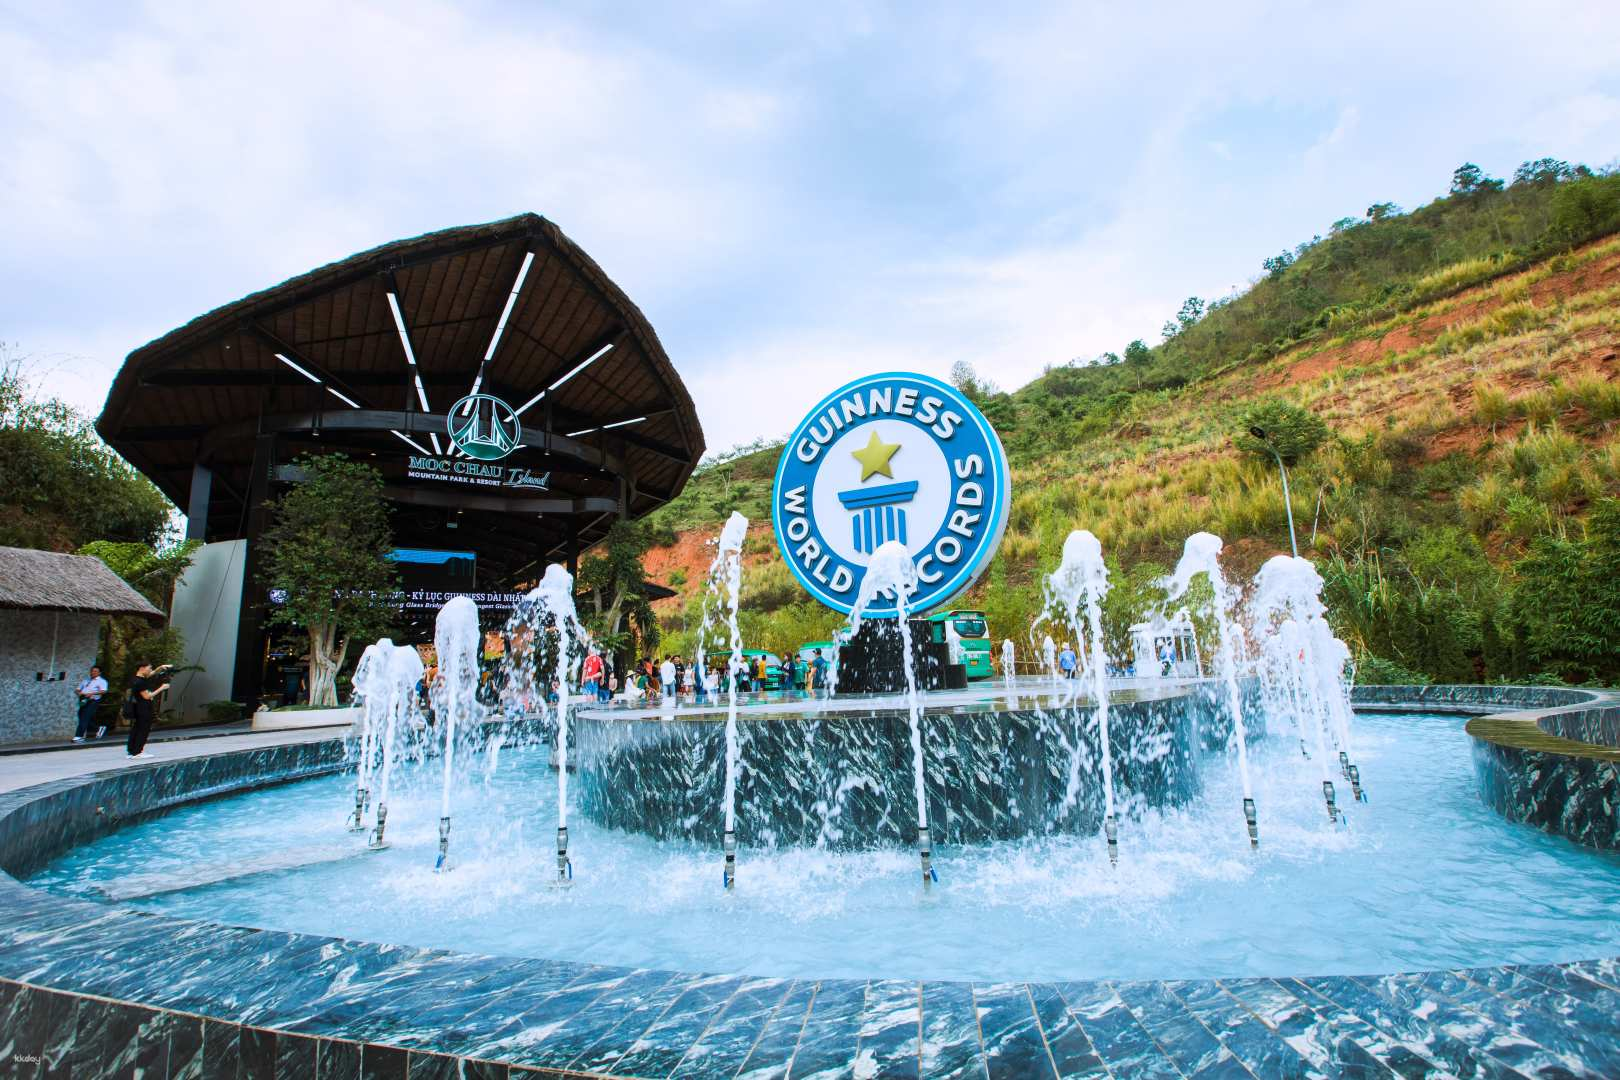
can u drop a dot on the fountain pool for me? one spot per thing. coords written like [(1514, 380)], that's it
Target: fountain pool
[(1424, 876)]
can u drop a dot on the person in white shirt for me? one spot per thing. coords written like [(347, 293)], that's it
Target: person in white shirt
[(90, 691), (666, 676)]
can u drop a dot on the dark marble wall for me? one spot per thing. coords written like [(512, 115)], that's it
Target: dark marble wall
[(846, 780), (1543, 756), (1575, 797)]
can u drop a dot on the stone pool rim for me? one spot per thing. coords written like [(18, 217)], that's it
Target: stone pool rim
[(57, 948)]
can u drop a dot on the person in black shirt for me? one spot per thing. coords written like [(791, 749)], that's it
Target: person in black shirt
[(144, 693)]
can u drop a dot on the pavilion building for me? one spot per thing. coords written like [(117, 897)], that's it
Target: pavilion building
[(516, 402)]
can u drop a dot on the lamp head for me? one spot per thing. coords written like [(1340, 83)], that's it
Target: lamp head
[(1258, 433)]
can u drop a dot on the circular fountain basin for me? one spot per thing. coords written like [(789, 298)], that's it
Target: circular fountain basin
[(838, 774), (1423, 876)]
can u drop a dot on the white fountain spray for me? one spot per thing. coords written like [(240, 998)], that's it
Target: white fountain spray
[(1311, 660), (554, 596), (1049, 652), (725, 576), (1082, 578), (1201, 555), (455, 639), (370, 693), (891, 572), (1007, 662), (401, 671)]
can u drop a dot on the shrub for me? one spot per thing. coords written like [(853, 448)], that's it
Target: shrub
[(1490, 404), (1293, 432)]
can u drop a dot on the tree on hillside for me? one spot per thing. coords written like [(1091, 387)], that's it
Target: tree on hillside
[(1192, 309), (1567, 600), (61, 486), (1470, 182), (967, 380), (326, 561), (1378, 211), (1278, 263), (614, 581), (1293, 432), (1543, 172), (128, 640), (1587, 207)]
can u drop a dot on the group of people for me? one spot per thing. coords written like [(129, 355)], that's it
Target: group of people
[(676, 676), (141, 702)]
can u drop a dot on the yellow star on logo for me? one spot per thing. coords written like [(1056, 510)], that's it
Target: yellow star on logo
[(875, 457)]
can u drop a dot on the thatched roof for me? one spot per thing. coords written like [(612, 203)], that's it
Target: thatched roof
[(48, 581)]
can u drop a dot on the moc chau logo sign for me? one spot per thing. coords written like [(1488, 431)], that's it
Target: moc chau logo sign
[(484, 427), (899, 457)]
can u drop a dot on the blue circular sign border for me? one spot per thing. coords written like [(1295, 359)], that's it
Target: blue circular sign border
[(969, 573)]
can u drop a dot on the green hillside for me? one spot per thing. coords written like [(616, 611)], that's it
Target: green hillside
[(1463, 357)]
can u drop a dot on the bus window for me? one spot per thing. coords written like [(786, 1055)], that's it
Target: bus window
[(971, 627)]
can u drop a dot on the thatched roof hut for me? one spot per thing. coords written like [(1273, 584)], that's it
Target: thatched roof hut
[(49, 581)]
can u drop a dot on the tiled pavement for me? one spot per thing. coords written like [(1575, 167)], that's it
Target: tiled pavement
[(1532, 1021)]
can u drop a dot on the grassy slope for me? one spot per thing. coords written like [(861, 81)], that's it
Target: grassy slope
[(1485, 408)]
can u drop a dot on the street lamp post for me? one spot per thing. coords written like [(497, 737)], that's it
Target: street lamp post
[(1288, 504)]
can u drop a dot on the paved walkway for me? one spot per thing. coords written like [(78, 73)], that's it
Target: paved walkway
[(25, 770)]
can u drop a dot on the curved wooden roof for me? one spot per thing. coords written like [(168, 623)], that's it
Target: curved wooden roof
[(205, 391)]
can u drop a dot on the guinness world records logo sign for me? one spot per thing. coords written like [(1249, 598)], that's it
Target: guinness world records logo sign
[(484, 427), (896, 456)]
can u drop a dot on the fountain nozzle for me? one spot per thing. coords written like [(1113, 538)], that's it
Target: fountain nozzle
[(1252, 821), (925, 849), (1344, 764), (565, 866), (1354, 773), (729, 877), (1332, 807), (444, 843), (362, 798), (1111, 831), (376, 843)]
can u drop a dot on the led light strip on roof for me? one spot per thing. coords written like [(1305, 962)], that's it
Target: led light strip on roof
[(605, 427), (418, 447), (506, 313), (399, 324), (316, 379), (581, 366)]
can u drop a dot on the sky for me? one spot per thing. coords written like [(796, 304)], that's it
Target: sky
[(794, 195)]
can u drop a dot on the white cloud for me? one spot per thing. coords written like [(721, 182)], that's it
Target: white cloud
[(792, 197)]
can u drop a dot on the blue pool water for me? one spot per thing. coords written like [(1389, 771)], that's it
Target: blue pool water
[(1425, 876)]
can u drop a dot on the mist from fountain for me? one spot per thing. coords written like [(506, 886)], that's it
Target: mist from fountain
[(892, 573), (725, 581), (1081, 579), (1201, 555), (1301, 653), (549, 608), (455, 641)]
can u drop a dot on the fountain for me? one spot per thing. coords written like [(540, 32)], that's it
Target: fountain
[(891, 572), (1201, 555), (385, 681), (549, 608), (725, 577), (1082, 578), (455, 640), (1007, 672), (1304, 658)]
